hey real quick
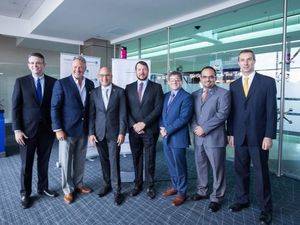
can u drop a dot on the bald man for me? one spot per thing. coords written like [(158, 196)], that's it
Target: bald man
[(107, 128)]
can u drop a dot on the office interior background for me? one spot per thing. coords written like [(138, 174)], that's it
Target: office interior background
[(174, 35), (213, 39)]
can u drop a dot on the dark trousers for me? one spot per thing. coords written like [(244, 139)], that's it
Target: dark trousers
[(176, 161), (41, 143), (109, 153), (140, 143), (243, 155)]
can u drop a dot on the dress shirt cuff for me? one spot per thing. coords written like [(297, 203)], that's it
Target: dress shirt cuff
[(57, 130)]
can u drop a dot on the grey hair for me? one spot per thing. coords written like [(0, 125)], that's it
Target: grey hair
[(80, 58)]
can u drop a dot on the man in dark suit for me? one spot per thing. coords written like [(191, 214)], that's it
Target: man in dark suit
[(107, 128), (252, 126), (144, 102), (69, 112), (174, 129), (32, 125)]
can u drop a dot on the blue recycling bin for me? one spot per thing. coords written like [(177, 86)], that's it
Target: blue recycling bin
[(2, 134)]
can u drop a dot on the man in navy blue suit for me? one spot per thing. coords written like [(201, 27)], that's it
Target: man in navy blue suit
[(32, 125), (69, 112), (174, 129), (251, 127)]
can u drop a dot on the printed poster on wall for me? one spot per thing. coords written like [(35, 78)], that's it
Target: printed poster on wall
[(92, 67), (123, 71)]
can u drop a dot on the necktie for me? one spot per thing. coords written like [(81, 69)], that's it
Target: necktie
[(246, 86), (140, 91), (204, 95), (105, 98), (39, 91), (172, 96)]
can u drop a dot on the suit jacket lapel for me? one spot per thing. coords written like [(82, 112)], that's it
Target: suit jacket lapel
[(146, 92), (33, 88), (253, 86), (175, 99), (111, 97), (77, 94), (99, 98), (240, 88), (47, 90)]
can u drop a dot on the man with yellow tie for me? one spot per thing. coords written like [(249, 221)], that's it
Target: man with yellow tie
[(251, 128)]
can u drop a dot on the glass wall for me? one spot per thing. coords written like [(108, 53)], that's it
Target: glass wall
[(216, 41)]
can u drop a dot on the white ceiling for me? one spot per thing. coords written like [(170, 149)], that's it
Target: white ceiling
[(23, 9), (74, 21)]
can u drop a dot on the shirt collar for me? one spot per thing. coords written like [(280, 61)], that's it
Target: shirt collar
[(250, 76), (175, 91), (37, 77), (76, 81), (107, 87), (142, 81)]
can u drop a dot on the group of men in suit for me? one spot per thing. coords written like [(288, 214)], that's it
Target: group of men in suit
[(80, 113)]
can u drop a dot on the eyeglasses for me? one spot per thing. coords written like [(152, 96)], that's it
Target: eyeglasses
[(104, 74), (175, 80), (208, 77)]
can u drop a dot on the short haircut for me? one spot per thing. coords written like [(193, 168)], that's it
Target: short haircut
[(142, 63), (37, 54), (208, 67), (80, 58), (175, 73), (247, 51)]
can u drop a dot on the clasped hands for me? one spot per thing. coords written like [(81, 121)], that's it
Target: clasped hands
[(199, 131), (163, 132), (139, 127)]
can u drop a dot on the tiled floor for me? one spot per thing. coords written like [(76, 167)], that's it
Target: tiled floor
[(89, 209)]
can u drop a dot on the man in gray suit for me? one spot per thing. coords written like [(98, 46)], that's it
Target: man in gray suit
[(107, 128), (212, 106)]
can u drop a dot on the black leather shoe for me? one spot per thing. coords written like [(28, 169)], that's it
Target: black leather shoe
[(104, 191), (236, 207), (214, 206), (197, 197), (151, 193), (25, 202), (48, 193), (135, 191), (265, 218), (118, 198)]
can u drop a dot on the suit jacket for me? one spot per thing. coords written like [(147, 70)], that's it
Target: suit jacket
[(67, 111), (27, 113), (254, 116), (108, 122), (211, 116), (176, 118), (149, 110)]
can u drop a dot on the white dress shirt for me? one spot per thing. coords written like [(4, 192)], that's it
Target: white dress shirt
[(81, 89), (144, 86), (106, 91)]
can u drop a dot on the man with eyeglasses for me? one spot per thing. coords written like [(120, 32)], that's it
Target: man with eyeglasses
[(69, 112), (107, 129), (212, 107), (174, 129), (32, 125)]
